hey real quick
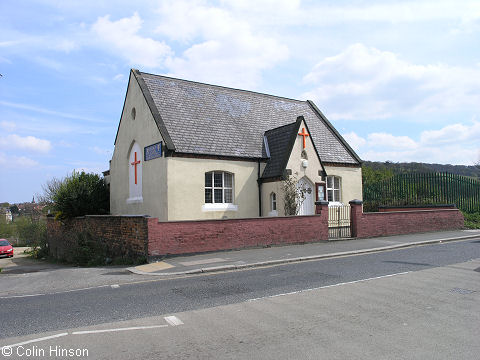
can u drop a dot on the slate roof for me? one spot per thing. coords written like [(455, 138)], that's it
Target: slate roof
[(279, 142), (197, 118)]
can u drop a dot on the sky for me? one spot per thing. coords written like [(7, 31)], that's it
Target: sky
[(399, 80)]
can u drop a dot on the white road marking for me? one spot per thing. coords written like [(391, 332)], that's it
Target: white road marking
[(115, 286), (328, 286), (20, 296), (54, 293), (37, 340), (118, 329), (173, 320)]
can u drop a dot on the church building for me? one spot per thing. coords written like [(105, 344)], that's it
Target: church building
[(189, 151)]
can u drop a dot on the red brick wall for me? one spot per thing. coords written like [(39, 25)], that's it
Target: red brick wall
[(122, 236), (134, 236), (183, 237), (402, 222)]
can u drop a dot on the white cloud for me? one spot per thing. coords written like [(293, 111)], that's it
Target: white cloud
[(7, 125), (454, 154), (367, 83), (460, 15), (453, 134), (389, 140), (122, 38), (400, 11), (26, 143), (48, 111), (454, 144), (16, 161), (222, 48), (101, 151), (354, 140)]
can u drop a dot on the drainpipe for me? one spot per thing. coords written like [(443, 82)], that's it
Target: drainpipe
[(259, 181)]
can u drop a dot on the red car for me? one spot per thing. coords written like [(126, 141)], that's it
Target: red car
[(6, 249)]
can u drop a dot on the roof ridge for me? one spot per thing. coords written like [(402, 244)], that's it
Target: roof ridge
[(222, 87), (279, 127)]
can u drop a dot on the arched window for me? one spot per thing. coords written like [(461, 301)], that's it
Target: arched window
[(135, 161), (334, 189), (218, 187), (273, 202)]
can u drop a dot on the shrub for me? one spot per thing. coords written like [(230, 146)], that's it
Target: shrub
[(88, 251), (6, 230), (32, 233), (472, 220), (91, 251), (81, 194)]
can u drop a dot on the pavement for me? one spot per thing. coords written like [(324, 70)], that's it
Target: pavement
[(275, 255)]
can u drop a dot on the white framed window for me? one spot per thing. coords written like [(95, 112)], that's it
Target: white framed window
[(219, 191), (218, 187), (334, 189)]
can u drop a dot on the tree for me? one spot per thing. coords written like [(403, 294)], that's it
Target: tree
[(293, 195), (49, 190), (371, 175), (77, 195), (14, 209)]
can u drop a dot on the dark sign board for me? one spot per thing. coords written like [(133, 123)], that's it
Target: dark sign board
[(152, 151)]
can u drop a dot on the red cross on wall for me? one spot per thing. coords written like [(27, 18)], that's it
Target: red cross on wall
[(304, 134), (135, 163)]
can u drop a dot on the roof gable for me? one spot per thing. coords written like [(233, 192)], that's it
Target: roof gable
[(213, 120), (280, 142)]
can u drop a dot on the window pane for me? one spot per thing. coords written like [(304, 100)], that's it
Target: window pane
[(337, 195), (330, 195), (217, 180), (218, 196), (228, 180), (329, 182), (321, 193), (208, 196), (228, 196), (208, 179), (337, 182)]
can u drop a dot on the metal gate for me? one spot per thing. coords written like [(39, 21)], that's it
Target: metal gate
[(339, 222)]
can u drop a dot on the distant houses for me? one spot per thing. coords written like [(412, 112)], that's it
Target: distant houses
[(6, 215)]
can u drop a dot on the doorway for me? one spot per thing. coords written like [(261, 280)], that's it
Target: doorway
[(307, 207)]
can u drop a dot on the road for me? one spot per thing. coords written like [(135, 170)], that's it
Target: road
[(362, 302)]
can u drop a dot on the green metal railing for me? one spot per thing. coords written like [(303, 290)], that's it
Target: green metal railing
[(423, 189)]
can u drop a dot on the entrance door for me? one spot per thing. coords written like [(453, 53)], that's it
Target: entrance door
[(307, 207)]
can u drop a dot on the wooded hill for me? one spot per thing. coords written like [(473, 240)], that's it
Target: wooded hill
[(414, 167)]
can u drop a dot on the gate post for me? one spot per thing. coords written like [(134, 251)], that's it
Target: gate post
[(321, 208), (356, 212)]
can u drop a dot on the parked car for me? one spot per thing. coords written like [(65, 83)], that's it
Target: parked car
[(6, 249)]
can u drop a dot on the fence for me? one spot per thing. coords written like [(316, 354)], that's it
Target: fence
[(424, 189)]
